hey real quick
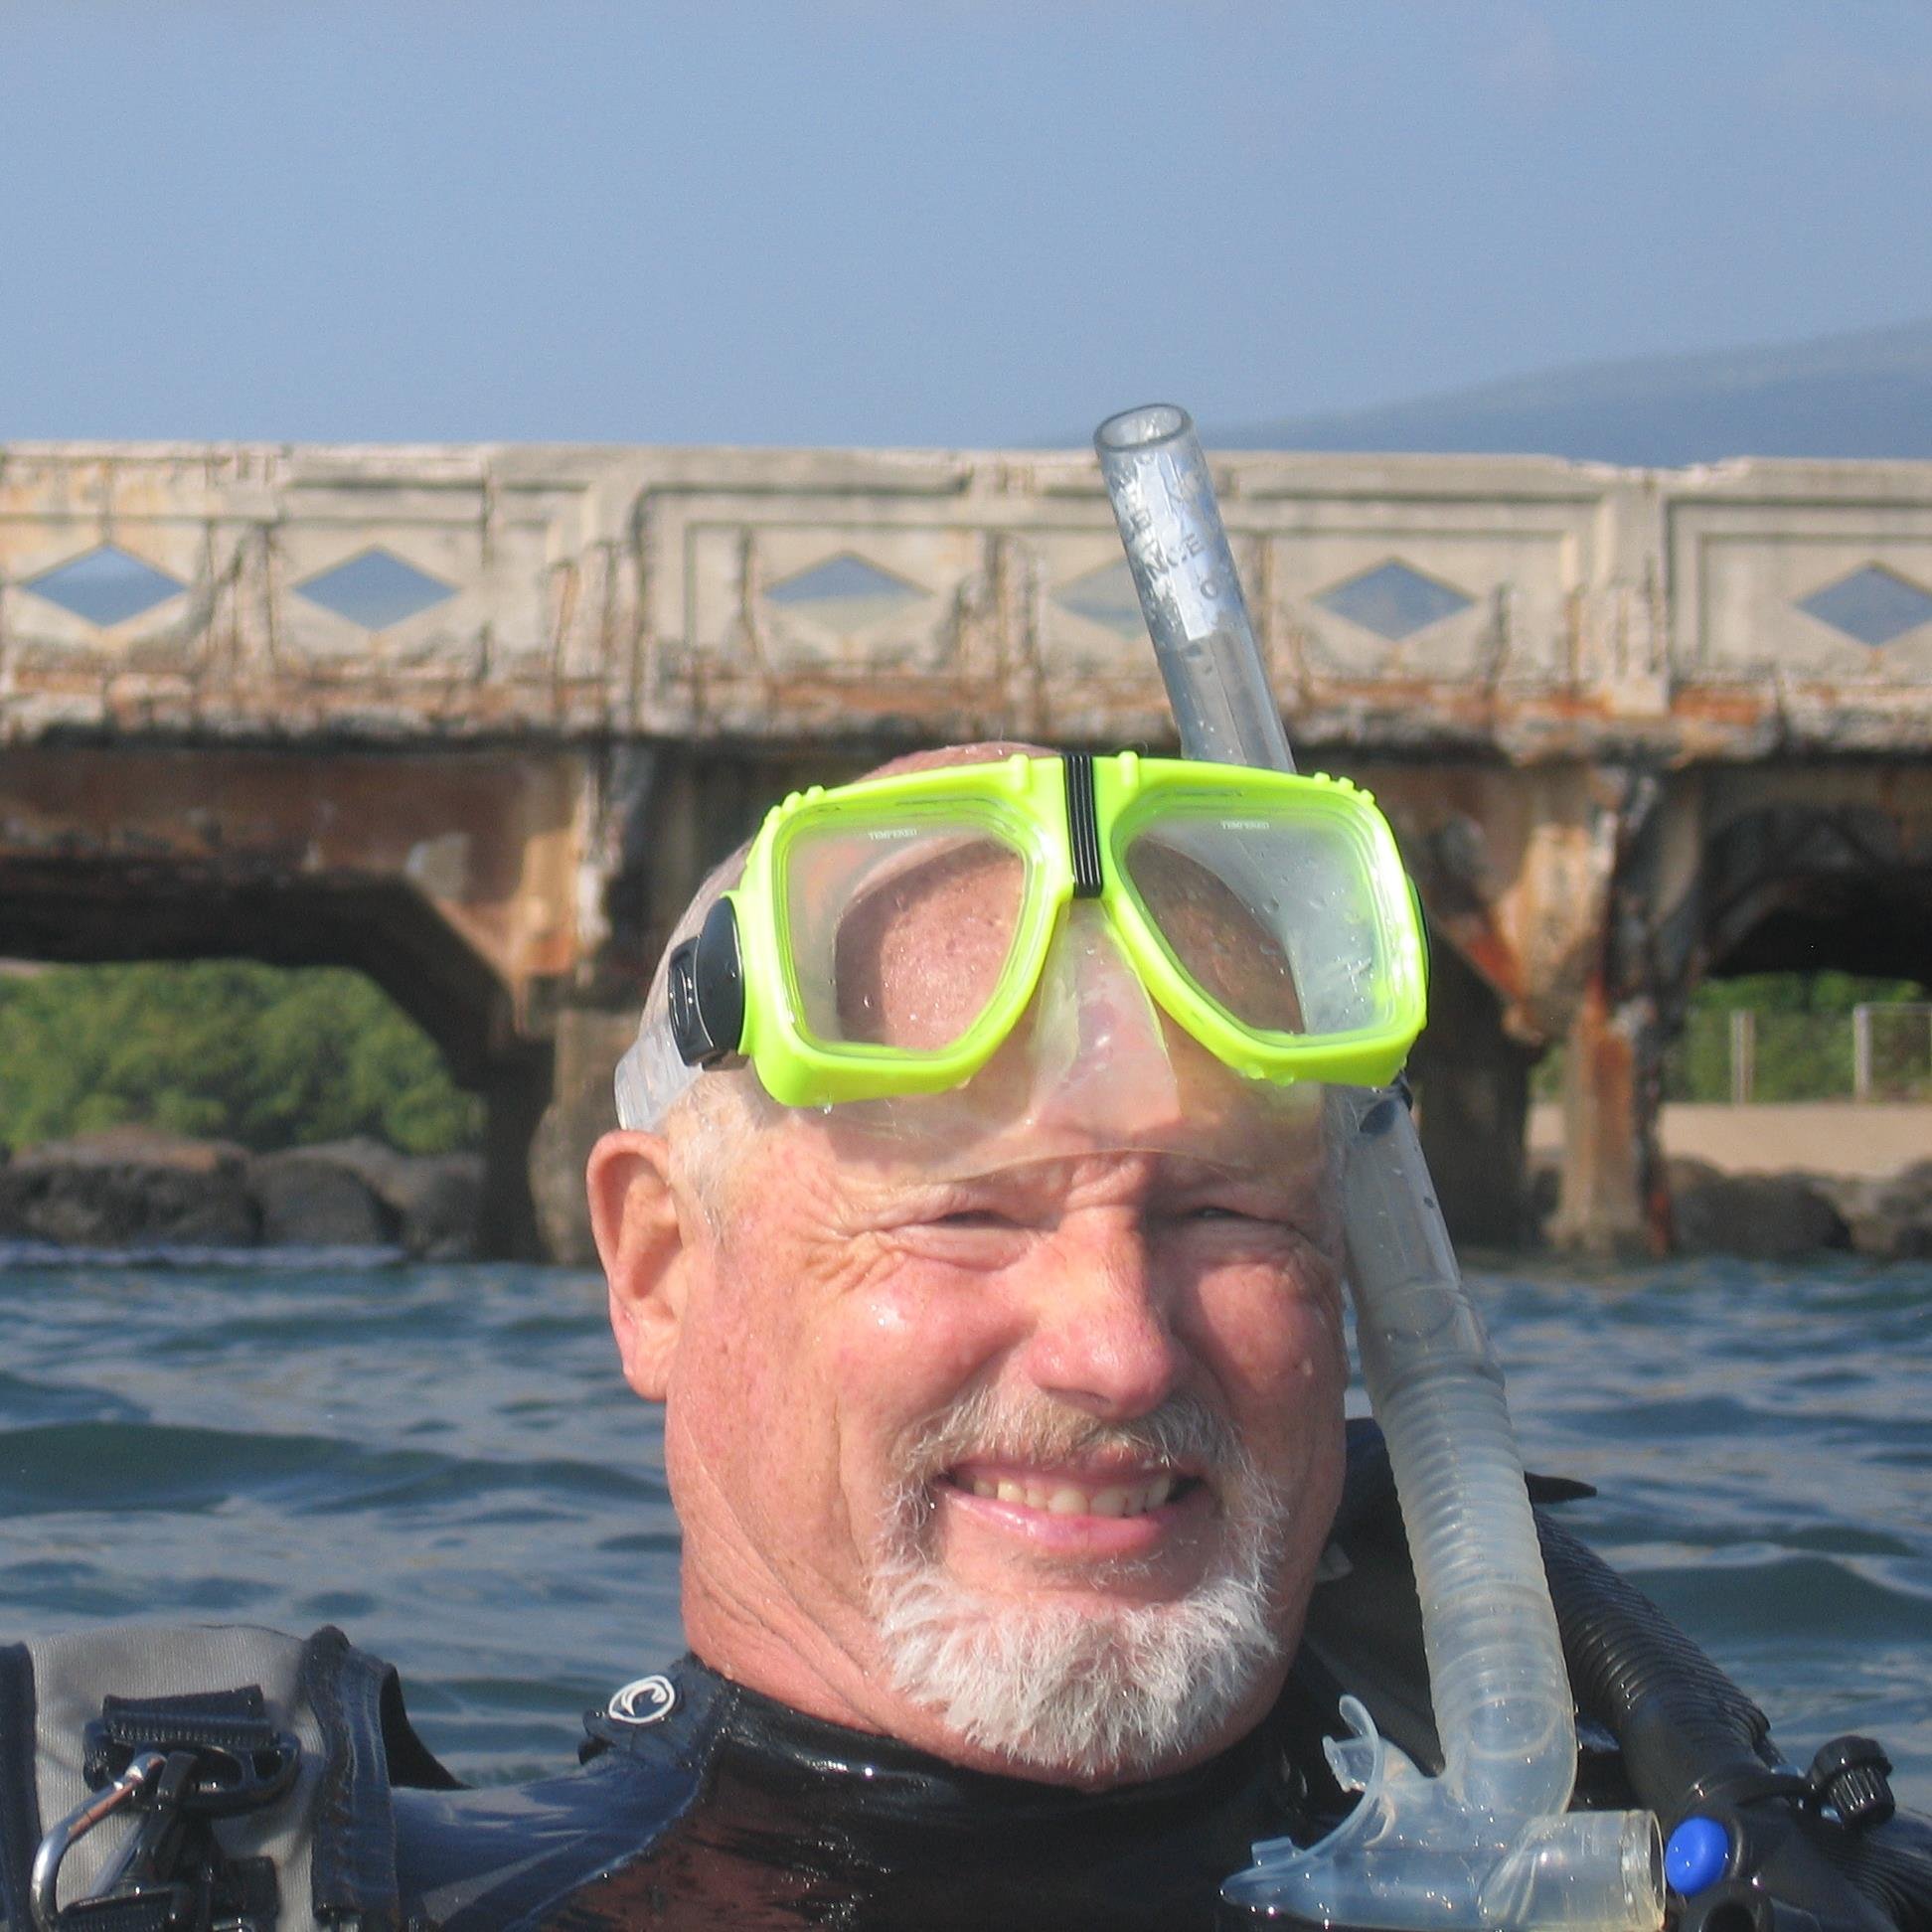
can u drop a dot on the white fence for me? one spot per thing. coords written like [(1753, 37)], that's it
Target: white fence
[(1875, 1051)]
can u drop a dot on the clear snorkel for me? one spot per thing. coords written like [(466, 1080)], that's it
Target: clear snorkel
[(1488, 1843)]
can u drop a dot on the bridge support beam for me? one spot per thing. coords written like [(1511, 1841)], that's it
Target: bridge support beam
[(1472, 1082), (1612, 1200), (516, 1092), (578, 1110)]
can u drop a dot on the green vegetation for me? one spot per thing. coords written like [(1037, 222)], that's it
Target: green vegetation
[(1802, 1039), (224, 1049)]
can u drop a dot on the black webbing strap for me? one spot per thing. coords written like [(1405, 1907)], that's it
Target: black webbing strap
[(227, 1721), (353, 1851), (1082, 826), (20, 1822)]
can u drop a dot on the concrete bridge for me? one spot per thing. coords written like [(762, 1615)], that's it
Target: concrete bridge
[(474, 720)]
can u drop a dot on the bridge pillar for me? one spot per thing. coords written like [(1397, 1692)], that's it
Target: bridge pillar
[(516, 1093), (657, 818), (1611, 1201), (1472, 1083), (578, 1108)]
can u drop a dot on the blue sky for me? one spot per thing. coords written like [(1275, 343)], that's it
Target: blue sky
[(928, 222)]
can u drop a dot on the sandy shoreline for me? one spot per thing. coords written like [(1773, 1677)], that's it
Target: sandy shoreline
[(1832, 1137)]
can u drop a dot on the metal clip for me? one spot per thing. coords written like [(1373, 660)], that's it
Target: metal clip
[(142, 1771)]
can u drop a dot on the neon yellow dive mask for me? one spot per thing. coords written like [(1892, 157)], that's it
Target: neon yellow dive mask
[(889, 935)]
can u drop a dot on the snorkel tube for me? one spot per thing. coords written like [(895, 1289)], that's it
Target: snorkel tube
[(1488, 1843)]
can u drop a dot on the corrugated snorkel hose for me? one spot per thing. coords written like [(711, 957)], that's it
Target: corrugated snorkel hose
[(1488, 1843)]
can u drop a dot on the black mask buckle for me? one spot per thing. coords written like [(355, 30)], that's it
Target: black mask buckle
[(705, 987)]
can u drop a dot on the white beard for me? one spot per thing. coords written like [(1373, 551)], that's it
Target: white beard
[(1088, 1689)]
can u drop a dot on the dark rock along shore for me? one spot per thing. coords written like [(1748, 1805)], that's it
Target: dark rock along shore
[(132, 1188)]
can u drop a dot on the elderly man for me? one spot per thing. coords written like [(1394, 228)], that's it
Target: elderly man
[(974, 1222), (974, 1219)]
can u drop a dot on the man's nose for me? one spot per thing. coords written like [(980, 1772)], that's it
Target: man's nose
[(1102, 1339)]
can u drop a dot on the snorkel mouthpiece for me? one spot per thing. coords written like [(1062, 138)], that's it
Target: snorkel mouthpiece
[(1488, 1843)]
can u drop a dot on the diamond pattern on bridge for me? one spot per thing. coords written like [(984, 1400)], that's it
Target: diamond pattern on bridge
[(1393, 600), (105, 586), (375, 590), (1872, 605), (1106, 597), (845, 594)]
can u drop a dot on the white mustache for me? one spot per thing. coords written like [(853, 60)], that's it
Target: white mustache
[(1000, 1426)]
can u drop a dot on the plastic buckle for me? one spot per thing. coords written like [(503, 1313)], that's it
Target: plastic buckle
[(171, 1874), (220, 1779), (704, 991)]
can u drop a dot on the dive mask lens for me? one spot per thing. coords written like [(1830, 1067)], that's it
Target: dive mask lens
[(1275, 919), (899, 930)]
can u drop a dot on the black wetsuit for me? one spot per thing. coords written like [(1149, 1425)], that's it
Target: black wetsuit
[(732, 1810), (728, 1809), (699, 1803)]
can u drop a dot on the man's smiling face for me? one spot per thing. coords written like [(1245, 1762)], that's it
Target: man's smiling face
[(1005, 1422), (937, 1444)]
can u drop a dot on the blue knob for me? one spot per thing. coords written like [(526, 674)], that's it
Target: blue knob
[(1696, 1855)]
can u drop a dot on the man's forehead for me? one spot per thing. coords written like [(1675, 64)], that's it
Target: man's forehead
[(978, 752), (1279, 1152)]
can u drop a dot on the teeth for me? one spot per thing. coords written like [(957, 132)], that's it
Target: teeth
[(1063, 1498)]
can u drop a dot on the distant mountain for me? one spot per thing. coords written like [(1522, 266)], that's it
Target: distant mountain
[(1862, 395)]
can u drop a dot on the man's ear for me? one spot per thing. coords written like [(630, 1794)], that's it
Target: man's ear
[(645, 1250)]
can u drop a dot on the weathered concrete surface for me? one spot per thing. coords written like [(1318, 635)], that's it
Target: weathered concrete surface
[(588, 1047), (1551, 608), (1630, 725), (450, 877)]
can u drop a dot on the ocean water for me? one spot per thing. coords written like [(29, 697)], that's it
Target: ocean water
[(445, 1462)]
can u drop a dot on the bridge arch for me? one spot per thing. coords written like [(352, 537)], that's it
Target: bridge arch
[(1820, 883), (1721, 869), (416, 872), (1619, 659)]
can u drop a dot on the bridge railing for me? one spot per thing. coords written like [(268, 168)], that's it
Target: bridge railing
[(1533, 607)]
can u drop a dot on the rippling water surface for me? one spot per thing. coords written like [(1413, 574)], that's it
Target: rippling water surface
[(446, 1463)]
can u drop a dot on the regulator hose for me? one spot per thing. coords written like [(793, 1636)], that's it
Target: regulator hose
[(1694, 1745)]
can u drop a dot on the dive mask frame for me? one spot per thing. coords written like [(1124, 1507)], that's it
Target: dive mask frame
[(734, 992)]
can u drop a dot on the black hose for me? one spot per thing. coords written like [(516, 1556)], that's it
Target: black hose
[(1692, 1741), (1681, 1722)]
